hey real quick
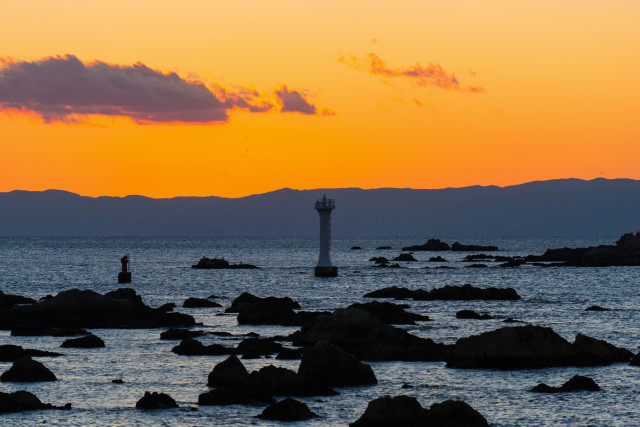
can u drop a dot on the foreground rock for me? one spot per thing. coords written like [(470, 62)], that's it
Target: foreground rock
[(7, 300), (528, 347), (220, 263), (287, 410), (26, 369), (199, 302), (393, 314), (576, 383), (88, 309), (21, 400), (466, 292), (156, 401), (89, 341), (358, 332), (11, 353), (329, 365), (406, 411)]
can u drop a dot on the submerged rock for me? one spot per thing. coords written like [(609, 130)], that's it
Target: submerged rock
[(21, 400), (89, 341), (26, 369), (156, 401), (287, 410), (576, 383)]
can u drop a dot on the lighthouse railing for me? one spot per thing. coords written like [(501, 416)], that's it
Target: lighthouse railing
[(325, 204)]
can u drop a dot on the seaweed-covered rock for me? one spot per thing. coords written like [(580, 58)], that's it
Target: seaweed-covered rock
[(21, 400), (287, 410), (331, 366), (26, 369), (88, 341), (156, 401)]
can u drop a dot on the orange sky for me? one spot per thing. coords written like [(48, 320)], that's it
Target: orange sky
[(557, 94)]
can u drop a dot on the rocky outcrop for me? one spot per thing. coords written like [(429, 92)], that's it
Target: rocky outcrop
[(199, 303), (470, 314), (7, 300), (472, 248), (576, 383), (191, 347), (407, 411), (88, 341), (466, 292), (405, 257), (596, 308), (437, 259), (156, 401), (26, 369), (379, 259), (358, 332), (393, 314), (21, 400), (430, 245), (329, 365), (247, 301), (179, 334), (635, 361), (11, 353), (287, 410), (88, 309), (229, 372), (220, 263), (253, 310), (529, 347), (252, 348)]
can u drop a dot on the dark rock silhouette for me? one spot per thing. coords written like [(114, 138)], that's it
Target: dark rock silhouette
[(477, 266), (88, 309), (21, 400), (437, 259), (470, 314), (11, 353), (430, 245), (179, 334), (156, 401), (88, 341), (290, 354), (330, 365), (405, 257), (117, 381), (7, 300), (530, 347), (256, 347), (253, 310), (358, 332), (167, 307), (355, 248), (379, 260), (635, 361), (248, 300), (40, 330), (596, 308), (393, 314), (576, 383), (465, 292), (26, 369), (455, 413), (191, 347), (229, 372), (472, 248), (287, 410), (199, 302), (220, 263), (385, 265), (383, 247)]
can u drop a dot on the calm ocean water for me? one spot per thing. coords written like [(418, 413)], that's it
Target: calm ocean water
[(554, 297)]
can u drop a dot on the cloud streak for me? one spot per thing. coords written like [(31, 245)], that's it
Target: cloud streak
[(64, 89), (431, 75)]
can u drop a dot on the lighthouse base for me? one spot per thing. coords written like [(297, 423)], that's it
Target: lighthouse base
[(124, 277), (331, 271)]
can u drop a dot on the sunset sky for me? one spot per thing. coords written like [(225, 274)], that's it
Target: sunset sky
[(232, 98)]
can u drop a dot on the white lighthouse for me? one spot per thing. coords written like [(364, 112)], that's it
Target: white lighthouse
[(324, 268)]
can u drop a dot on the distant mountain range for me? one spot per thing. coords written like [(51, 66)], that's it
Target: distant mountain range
[(564, 207)]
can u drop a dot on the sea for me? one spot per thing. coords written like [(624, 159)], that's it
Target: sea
[(162, 273)]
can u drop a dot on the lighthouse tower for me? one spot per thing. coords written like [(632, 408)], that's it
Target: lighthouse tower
[(324, 268)]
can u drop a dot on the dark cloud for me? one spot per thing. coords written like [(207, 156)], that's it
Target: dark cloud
[(62, 88), (431, 75), (293, 101)]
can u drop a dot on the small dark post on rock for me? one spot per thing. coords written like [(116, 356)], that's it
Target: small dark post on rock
[(124, 276)]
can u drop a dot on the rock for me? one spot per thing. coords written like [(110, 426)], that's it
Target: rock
[(284, 382), (40, 330), (396, 265), (126, 294), (88, 309), (635, 361), (379, 260), (470, 314), (358, 332), (528, 347), (179, 334), (596, 308), (430, 245), (248, 299), (11, 353), (7, 300), (26, 369), (21, 400), (228, 373), (331, 366), (253, 310), (290, 354), (355, 248), (466, 292), (245, 395), (199, 302), (383, 247), (167, 307), (393, 411), (220, 263), (287, 410), (390, 313), (437, 259), (472, 248), (405, 257), (191, 347), (477, 266), (117, 381), (576, 383), (156, 401), (89, 341), (256, 347), (455, 413)]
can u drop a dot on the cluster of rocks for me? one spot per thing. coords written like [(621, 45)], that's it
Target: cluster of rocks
[(219, 264), (438, 245), (466, 292), (253, 310)]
